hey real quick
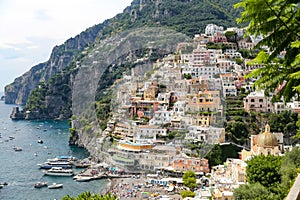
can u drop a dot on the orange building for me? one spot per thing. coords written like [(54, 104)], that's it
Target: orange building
[(194, 164)]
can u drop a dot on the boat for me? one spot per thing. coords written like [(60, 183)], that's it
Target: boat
[(83, 178), (82, 163), (17, 148), (55, 186), (49, 165), (40, 184), (59, 171), (62, 159)]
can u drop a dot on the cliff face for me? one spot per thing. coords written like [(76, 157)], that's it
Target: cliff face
[(185, 16), (61, 57)]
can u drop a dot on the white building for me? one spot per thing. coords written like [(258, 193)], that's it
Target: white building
[(210, 135), (149, 132), (208, 71), (228, 85), (161, 117), (212, 29), (178, 108)]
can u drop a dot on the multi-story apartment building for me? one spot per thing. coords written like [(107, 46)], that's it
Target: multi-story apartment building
[(195, 164), (203, 101), (226, 66), (208, 71), (208, 134), (161, 117), (149, 132), (228, 85), (258, 102), (159, 157), (211, 29)]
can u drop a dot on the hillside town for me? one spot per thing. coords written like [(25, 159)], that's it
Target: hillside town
[(181, 101)]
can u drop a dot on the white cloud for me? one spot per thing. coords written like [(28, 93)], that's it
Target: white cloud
[(30, 29)]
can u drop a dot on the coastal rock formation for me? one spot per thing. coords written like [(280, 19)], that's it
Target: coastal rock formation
[(18, 92)]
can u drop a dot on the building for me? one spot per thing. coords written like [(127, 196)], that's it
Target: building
[(127, 153), (258, 102), (161, 117), (203, 101), (265, 143), (210, 135), (228, 85), (159, 157), (149, 132), (195, 164), (212, 29), (237, 170)]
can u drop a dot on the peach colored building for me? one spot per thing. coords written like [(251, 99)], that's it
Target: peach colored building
[(258, 102), (203, 101), (194, 164)]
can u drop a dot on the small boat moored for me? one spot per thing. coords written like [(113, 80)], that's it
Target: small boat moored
[(55, 186), (40, 184), (17, 148)]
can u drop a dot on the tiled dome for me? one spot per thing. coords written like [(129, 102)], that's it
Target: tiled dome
[(267, 139)]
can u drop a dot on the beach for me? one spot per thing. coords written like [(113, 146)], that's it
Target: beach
[(136, 188)]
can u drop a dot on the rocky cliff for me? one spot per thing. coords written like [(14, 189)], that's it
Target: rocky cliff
[(186, 16), (18, 92)]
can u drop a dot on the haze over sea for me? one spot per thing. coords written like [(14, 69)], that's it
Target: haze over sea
[(20, 170)]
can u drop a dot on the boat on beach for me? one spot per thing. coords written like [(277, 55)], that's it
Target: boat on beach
[(82, 164), (55, 186), (83, 178), (40, 184), (59, 171)]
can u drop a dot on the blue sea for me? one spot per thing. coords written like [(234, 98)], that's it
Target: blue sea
[(19, 168)]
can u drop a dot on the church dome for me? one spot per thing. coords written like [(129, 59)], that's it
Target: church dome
[(267, 139)]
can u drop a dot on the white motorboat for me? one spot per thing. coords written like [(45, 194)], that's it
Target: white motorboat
[(59, 171), (55, 186)]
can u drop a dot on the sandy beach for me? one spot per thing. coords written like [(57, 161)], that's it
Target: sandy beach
[(134, 189)]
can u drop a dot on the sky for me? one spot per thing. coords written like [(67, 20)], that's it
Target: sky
[(30, 29)]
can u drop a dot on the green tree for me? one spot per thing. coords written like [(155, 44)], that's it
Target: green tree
[(189, 179), (238, 131), (187, 193), (278, 22), (215, 156), (290, 167), (89, 196), (252, 191), (264, 170)]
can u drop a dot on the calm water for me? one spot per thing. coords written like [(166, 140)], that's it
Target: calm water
[(20, 170)]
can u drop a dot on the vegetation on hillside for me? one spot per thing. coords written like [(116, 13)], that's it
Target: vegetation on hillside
[(89, 196), (278, 22), (270, 177)]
